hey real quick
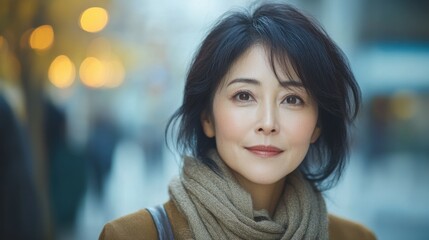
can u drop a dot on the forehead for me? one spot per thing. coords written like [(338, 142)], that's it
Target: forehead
[(258, 57)]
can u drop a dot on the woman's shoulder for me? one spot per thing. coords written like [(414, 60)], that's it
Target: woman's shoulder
[(140, 225), (340, 228), (137, 225)]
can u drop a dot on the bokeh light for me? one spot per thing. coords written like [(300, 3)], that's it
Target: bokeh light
[(92, 72), (94, 19), (62, 72), (96, 73), (42, 37)]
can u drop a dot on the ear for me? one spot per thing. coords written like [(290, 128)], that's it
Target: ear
[(316, 134), (208, 126)]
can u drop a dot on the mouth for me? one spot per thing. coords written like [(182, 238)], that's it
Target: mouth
[(264, 151)]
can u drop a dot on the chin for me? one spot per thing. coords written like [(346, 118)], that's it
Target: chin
[(264, 179)]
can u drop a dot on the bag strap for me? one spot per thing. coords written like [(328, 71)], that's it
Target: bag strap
[(162, 223)]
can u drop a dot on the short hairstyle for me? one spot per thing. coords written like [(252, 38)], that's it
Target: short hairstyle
[(291, 39)]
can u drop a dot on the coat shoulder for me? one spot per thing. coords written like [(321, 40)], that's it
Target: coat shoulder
[(138, 225), (340, 228)]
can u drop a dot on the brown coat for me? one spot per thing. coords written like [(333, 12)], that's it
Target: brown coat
[(139, 225)]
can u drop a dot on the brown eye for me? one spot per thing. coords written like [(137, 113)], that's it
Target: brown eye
[(243, 96), (294, 100)]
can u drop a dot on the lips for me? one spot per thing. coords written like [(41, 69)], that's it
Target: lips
[(264, 151)]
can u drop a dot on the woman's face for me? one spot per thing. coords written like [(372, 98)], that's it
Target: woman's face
[(262, 129)]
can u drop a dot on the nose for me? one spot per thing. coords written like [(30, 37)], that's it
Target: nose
[(268, 120)]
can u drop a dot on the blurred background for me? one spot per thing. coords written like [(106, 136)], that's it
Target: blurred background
[(86, 88)]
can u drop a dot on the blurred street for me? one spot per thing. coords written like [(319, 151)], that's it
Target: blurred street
[(87, 88)]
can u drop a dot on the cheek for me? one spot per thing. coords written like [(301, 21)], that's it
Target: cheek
[(229, 123), (301, 128)]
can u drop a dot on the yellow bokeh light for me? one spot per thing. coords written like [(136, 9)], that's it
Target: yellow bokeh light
[(42, 37), (96, 73), (62, 72), (93, 72), (94, 19)]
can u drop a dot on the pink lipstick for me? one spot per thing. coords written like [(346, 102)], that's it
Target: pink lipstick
[(264, 151)]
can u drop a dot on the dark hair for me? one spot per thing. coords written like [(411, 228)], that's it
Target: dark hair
[(288, 36)]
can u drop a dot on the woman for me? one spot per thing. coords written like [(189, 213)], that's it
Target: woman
[(267, 103)]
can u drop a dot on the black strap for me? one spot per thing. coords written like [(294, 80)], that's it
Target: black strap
[(162, 223)]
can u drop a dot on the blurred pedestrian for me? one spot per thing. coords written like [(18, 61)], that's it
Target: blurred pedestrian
[(20, 215), (67, 169), (100, 148)]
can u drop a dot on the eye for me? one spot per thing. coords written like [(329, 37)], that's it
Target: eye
[(293, 100), (243, 97)]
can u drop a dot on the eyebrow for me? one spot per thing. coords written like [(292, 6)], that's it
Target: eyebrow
[(245, 80), (285, 84)]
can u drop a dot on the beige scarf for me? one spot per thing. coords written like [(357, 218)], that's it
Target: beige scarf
[(217, 207)]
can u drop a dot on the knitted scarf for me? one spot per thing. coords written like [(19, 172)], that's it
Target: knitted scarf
[(217, 207)]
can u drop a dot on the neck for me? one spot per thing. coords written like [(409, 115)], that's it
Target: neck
[(264, 196)]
